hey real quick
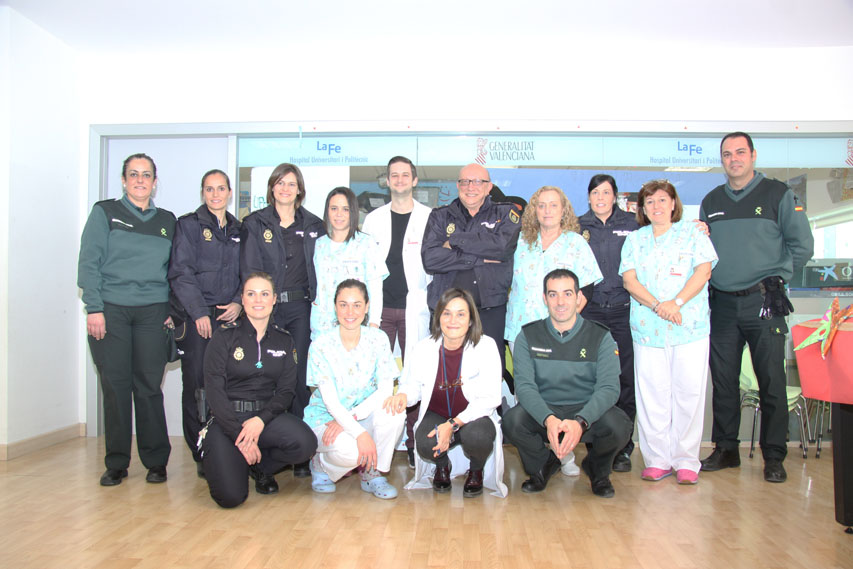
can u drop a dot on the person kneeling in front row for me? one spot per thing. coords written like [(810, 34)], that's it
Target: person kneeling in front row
[(249, 381), (354, 371), (456, 375), (566, 373)]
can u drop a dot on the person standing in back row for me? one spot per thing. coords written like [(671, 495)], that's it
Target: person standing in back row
[(761, 236), (398, 229), (469, 244)]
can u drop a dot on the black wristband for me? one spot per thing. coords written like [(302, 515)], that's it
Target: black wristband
[(583, 422)]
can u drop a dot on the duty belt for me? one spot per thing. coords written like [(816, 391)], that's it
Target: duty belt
[(745, 292), (293, 294), (247, 406)]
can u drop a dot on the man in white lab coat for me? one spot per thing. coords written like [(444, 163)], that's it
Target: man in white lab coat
[(398, 228)]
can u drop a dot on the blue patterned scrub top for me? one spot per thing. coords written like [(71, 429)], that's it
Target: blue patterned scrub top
[(663, 266), (363, 376), (568, 251), (358, 258)]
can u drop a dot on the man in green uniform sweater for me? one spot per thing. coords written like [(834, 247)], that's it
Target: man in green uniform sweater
[(566, 373), (762, 236)]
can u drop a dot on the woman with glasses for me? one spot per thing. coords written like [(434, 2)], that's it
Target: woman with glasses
[(345, 253), (280, 240), (665, 266), (354, 371), (456, 375), (124, 259)]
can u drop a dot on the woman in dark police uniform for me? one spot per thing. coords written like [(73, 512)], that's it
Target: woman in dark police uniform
[(204, 274), (605, 226), (250, 382), (124, 257), (279, 240)]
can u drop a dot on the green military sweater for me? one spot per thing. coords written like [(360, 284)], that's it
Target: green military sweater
[(579, 367), (758, 232), (124, 255)]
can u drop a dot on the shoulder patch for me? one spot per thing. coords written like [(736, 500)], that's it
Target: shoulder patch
[(513, 216)]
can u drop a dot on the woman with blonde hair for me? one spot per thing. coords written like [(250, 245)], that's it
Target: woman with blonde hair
[(549, 240)]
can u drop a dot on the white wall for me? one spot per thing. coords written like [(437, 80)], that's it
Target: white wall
[(43, 385), (525, 78), (5, 137)]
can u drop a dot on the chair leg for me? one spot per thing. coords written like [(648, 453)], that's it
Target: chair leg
[(819, 428), (752, 442), (799, 411)]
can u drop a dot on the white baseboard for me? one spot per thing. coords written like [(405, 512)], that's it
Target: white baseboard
[(26, 446)]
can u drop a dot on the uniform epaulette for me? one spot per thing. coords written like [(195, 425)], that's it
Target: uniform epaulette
[(234, 324), (599, 324), (187, 215), (279, 328)]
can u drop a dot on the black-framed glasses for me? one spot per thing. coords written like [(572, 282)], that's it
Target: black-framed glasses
[(475, 182)]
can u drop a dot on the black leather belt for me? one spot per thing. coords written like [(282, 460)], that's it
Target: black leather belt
[(744, 292), (247, 406), (293, 294), (610, 305)]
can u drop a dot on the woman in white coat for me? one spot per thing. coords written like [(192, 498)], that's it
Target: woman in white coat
[(456, 374)]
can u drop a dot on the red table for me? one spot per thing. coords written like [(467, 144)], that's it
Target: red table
[(831, 379)]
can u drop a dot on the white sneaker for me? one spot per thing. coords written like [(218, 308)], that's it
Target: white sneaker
[(569, 467)]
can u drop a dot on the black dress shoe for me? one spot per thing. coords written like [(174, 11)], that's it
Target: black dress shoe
[(410, 452), (264, 483), (601, 487), (301, 470), (156, 474), (622, 462), (473, 484), (774, 471), (539, 480), (199, 469), (112, 477), (441, 479), (721, 458)]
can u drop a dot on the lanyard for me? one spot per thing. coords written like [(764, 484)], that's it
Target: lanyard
[(446, 385)]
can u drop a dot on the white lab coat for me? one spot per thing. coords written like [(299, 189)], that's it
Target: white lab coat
[(378, 225), (481, 385)]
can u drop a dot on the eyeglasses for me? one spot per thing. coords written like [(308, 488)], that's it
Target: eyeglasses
[(476, 183)]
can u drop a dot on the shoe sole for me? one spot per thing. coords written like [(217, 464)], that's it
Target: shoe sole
[(266, 492), (442, 490), (657, 479), (688, 482), (472, 494)]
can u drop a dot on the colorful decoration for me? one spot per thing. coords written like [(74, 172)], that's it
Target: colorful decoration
[(827, 328)]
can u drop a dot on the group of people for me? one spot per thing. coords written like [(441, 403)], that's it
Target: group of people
[(608, 317)]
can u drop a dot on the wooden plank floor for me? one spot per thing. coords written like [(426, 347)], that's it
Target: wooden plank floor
[(54, 514)]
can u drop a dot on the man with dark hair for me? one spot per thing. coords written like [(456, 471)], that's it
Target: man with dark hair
[(762, 237), (567, 384), (470, 244), (398, 228)]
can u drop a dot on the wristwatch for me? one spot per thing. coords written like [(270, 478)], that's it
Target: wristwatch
[(583, 423), (454, 424), (679, 302)]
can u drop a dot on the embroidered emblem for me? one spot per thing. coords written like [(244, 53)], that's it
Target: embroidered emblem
[(267, 236), (163, 232), (758, 210), (778, 331), (513, 216), (583, 352), (294, 357), (616, 351), (207, 234), (585, 234), (238, 353), (451, 228), (312, 234)]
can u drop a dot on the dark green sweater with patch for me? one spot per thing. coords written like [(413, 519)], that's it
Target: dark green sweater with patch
[(124, 255), (579, 367)]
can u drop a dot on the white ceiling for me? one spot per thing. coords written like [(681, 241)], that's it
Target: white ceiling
[(158, 25)]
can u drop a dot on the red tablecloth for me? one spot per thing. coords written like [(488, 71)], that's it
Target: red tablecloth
[(829, 379)]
